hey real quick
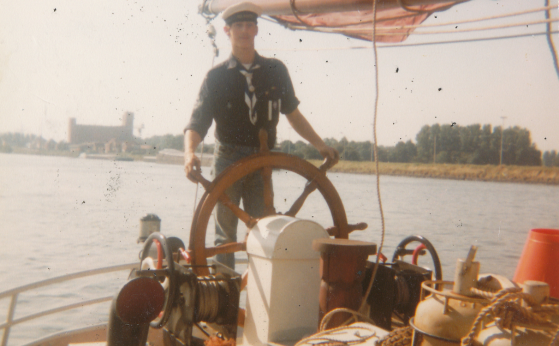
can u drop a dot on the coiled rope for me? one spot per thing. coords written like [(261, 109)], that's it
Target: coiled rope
[(555, 341), (331, 337), (484, 293), (507, 312), (505, 309), (356, 316), (335, 336), (397, 337)]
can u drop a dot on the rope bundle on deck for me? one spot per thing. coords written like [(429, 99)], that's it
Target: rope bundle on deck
[(397, 337), (507, 311)]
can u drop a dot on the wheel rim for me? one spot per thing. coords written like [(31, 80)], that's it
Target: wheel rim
[(249, 165)]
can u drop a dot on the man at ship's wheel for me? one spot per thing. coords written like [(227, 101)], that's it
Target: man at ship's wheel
[(243, 95)]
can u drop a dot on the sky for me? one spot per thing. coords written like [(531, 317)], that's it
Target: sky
[(96, 60)]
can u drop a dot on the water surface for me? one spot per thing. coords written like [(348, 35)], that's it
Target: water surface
[(62, 215)]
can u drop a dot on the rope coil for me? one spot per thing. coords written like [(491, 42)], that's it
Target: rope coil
[(397, 337), (212, 292), (355, 317), (340, 336), (506, 311)]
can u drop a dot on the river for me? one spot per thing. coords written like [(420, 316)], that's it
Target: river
[(61, 215)]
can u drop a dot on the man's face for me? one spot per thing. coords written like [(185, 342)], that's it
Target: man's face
[(241, 34)]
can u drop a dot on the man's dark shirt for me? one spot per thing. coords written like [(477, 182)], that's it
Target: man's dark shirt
[(227, 98)]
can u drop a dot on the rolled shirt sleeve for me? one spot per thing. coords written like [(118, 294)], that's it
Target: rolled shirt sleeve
[(289, 100), (202, 114)]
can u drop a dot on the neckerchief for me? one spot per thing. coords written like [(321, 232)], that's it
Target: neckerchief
[(250, 96)]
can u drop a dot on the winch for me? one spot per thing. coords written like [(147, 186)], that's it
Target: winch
[(397, 285), (174, 297)]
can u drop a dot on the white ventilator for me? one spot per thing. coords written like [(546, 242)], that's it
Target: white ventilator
[(283, 281)]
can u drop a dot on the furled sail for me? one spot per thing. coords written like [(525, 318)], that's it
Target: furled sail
[(353, 18)]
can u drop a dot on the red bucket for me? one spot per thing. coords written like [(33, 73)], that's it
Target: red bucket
[(540, 259)]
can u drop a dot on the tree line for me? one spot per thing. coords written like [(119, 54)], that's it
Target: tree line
[(8, 141), (479, 145), (472, 144)]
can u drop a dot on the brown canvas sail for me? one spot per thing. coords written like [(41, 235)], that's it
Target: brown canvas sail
[(353, 18)]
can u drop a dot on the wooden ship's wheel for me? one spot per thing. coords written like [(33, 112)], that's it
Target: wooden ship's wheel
[(264, 161)]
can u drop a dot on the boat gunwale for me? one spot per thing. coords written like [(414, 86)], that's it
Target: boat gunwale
[(71, 335), (13, 294), (66, 337), (67, 277)]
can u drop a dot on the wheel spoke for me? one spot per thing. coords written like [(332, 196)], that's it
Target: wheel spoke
[(335, 230), (268, 191), (266, 173), (310, 186), (200, 179), (248, 220), (225, 248), (241, 214)]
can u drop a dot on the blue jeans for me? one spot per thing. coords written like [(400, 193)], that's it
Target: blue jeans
[(249, 188)]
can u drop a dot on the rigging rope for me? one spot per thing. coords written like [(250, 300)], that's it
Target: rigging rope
[(413, 10), (197, 183), (417, 44), (550, 40), (295, 12), (468, 40), (466, 21), (420, 43), (211, 34), (375, 149), (503, 26)]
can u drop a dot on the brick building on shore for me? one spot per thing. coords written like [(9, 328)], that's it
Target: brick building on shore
[(103, 138)]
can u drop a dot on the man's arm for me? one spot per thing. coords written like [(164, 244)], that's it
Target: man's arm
[(305, 130), (191, 161)]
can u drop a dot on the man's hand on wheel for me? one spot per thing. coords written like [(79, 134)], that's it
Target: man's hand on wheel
[(191, 166), (330, 154)]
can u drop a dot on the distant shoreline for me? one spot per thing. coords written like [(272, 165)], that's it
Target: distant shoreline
[(511, 174)]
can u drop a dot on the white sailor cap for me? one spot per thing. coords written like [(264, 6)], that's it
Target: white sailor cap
[(241, 12)]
